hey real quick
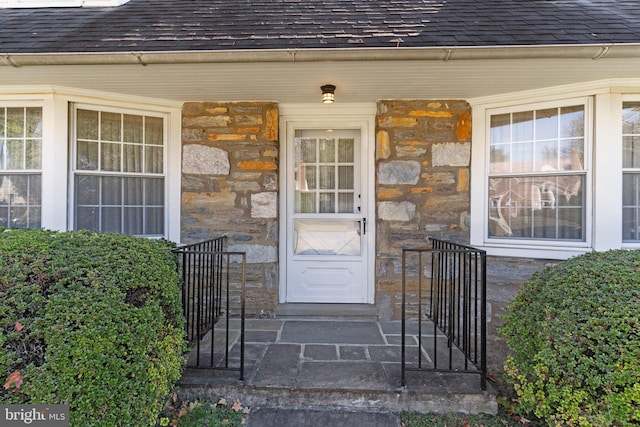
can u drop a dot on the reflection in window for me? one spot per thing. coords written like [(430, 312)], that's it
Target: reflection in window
[(631, 172), (119, 179), (20, 167), (537, 174)]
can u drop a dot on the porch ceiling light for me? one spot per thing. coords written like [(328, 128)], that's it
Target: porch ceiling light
[(328, 94)]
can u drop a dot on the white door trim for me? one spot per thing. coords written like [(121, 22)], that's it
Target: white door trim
[(357, 116)]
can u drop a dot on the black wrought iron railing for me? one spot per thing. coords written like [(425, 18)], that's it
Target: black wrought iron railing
[(213, 300), (446, 285)]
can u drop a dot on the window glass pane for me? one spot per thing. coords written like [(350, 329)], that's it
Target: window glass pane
[(15, 123), (132, 161), (133, 191), (500, 156), (154, 191), (87, 218), (154, 221), (543, 207), (154, 131), (500, 128), (546, 154), (87, 155), (631, 207), (33, 154), (572, 155), (87, 124), (2, 123), (87, 190), (111, 221), (572, 121), (111, 191), (631, 152), (547, 124), (110, 127), (33, 122), (132, 129), (20, 201), (631, 118), (154, 160), (35, 190), (522, 127), (15, 154), (110, 157), (522, 157), (133, 220)]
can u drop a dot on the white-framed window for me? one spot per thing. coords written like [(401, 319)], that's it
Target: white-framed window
[(20, 166), (118, 170), (631, 171), (537, 173)]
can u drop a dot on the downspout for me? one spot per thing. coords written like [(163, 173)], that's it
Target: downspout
[(594, 51)]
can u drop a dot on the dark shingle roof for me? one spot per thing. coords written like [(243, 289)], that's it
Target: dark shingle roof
[(186, 25)]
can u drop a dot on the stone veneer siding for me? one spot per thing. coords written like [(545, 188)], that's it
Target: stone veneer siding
[(423, 153), (230, 187)]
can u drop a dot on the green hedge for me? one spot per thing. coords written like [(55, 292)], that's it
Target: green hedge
[(575, 332), (92, 320)]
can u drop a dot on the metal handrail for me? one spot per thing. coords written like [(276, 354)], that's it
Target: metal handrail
[(205, 268), (454, 298)]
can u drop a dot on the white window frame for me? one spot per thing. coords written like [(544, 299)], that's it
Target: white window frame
[(57, 203), (542, 248), (101, 173), (623, 99), (29, 104)]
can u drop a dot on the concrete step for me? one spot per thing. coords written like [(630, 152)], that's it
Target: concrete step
[(306, 311), (437, 399)]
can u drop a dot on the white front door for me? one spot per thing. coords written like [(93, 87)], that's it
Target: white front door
[(327, 230)]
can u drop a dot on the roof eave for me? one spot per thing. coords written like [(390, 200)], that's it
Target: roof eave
[(445, 53)]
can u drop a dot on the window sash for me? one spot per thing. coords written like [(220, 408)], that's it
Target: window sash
[(536, 173), (21, 167), (119, 171), (631, 172)]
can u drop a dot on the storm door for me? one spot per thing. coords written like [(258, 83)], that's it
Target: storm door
[(327, 228)]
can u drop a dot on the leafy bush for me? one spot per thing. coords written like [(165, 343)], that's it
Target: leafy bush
[(575, 332), (92, 320)]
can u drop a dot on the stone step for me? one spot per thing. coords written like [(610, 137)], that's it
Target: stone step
[(327, 311), (420, 399)]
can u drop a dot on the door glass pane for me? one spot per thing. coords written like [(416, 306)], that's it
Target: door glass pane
[(327, 203), (327, 238), (327, 177), (325, 171), (346, 150), (327, 151)]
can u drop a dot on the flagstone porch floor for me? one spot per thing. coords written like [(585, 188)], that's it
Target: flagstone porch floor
[(335, 364)]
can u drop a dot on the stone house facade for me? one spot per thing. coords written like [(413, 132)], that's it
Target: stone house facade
[(512, 128)]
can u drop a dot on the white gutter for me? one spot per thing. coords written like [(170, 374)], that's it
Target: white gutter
[(593, 51)]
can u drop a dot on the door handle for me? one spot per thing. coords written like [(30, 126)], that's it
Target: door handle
[(364, 225)]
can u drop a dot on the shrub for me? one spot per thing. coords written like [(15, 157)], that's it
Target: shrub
[(575, 332), (91, 320)]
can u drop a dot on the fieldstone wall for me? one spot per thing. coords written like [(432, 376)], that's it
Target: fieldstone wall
[(230, 187), (423, 153)]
